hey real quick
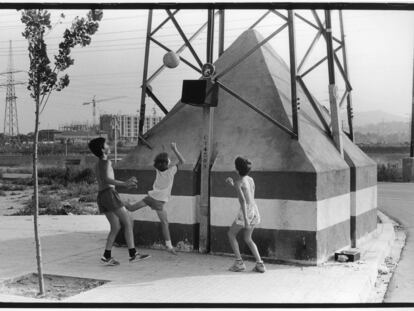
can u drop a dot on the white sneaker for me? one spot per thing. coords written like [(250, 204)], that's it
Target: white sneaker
[(138, 257), (109, 261)]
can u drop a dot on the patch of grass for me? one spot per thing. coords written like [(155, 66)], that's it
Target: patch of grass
[(47, 206), (44, 190), (88, 198), (19, 170), (11, 187), (77, 208), (2, 193), (52, 173), (26, 211), (388, 172), (56, 187), (22, 181), (86, 175), (46, 203), (51, 205), (75, 190), (66, 175)]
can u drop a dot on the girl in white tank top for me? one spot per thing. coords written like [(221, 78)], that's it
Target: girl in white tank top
[(247, 218)]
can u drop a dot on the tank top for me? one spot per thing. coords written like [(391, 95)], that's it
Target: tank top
[(250, 190)]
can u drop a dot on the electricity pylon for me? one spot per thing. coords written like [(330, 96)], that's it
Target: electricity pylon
[(11, 124)]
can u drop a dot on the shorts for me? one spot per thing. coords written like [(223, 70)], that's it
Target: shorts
[(153, 203), (108, 200), (253, 216)]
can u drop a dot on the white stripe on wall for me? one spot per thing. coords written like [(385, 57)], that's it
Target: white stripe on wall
[(365, 200), (286, 215), (275, 214), (333, 211), (180, 209)]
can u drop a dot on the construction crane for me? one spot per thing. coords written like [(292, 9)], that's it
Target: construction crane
[(94, 102)]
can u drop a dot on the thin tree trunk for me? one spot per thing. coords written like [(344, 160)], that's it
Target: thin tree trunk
[(36, 204)]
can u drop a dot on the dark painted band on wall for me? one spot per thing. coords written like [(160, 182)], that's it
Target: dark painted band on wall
[(300, 186), (148, 233), (361, 176), (277, 244), (269, 185), (294, 245), (364, 223), (333, 238), (285, 245)]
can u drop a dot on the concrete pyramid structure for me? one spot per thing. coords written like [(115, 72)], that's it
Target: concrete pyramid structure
[(312, 201)]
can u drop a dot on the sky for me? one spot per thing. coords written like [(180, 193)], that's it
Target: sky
[(380, 47)]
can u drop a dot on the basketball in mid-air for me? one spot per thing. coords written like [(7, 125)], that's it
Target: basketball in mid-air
[(171, 60)]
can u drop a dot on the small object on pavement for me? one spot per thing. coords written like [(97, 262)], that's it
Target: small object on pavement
[(342, 258), (353, 254)]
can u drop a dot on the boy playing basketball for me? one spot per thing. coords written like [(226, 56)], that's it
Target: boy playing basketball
[(110, 203)]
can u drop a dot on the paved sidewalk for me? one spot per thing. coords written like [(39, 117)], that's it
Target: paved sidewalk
[(72, 246)]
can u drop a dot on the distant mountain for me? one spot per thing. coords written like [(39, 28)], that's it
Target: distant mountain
[(379, 127), (364, 118)]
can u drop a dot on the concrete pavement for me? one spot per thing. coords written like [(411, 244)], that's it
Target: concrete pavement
[(396, 200), (72, 246)]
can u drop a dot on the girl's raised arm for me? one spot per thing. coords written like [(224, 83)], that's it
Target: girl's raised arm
[(180, 157)]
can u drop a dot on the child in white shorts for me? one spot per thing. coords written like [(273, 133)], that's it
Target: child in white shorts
[(161, 192), (247, 218)]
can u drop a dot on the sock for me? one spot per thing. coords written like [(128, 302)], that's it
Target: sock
[(107, 254), (168, 243), (132, 252)]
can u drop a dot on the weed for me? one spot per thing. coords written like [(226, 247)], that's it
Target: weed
[(81, 189), (77, 208), (56, 187), (11, 187), (53, 173), (389, 172), (86, 175), (22, 181), (66, 175), (53, 206), (88, 198)]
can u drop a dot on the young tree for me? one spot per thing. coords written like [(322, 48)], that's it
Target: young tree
[(43, 80)]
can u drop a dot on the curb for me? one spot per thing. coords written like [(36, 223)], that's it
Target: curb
[(376, 253)]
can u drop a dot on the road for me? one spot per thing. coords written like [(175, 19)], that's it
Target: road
[(397, 201)]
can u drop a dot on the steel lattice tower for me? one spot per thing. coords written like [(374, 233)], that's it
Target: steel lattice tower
[(11, 125)]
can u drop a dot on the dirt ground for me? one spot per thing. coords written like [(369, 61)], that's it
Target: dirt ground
[(14, 200), (56, 287)]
